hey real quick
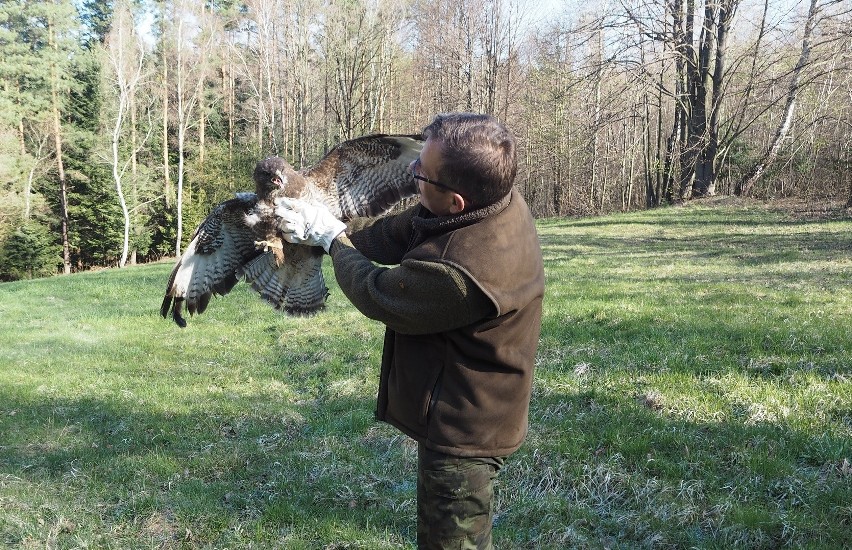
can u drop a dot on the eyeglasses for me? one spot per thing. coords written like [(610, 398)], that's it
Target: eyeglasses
[(415, 173)]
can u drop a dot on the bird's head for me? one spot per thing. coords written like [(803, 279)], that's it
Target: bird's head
[(271, 175)]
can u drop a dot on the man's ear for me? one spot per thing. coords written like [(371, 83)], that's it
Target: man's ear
[(458, 204)]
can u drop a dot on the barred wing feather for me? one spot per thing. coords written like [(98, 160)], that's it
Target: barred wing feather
[(212, 260), (364, 176), (296, 286)]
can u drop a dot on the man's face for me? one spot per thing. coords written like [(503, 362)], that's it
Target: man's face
[(436, 199)]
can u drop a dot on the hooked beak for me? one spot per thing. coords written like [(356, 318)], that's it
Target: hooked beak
[(279, 179)]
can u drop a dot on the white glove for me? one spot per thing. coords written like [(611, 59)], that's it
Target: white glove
[(307, 223)]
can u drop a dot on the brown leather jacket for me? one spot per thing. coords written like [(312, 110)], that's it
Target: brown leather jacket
[(460, 383)]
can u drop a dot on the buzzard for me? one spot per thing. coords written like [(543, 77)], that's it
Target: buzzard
[(365, 176)]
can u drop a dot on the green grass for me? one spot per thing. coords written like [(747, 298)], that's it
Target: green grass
[(693, 389)]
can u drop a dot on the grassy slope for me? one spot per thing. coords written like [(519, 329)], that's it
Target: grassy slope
[(694, 388)]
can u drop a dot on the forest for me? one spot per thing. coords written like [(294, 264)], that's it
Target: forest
[(122, 123)]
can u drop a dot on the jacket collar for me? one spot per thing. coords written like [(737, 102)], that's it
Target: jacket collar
[(426, 223)]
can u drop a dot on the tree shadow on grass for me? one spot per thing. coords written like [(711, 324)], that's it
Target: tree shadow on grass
[(607, 468), (638, 438), (318, 473), (737, 248)]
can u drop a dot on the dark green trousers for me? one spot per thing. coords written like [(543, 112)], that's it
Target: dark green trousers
[(454, 499)]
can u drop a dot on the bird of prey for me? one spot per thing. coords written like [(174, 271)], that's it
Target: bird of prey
[(364, 176)]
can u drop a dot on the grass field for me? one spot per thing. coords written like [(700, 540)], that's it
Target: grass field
[(693, 390)]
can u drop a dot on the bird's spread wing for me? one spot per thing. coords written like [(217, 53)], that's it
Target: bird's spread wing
[(212, 262), (293, 283), (366, 176)]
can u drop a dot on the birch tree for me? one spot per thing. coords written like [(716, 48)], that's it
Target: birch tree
[(194, 37), (126, 57), (745, 187)]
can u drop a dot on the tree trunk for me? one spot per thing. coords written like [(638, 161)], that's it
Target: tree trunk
[(167, 181), (181, 113), (696, 158), (230, 100), (189, 87), (116, 174), (596, 118), (28, 186), (690, 68), (771, 154), (57, 137), (727, 8), (201, 135), (128, 70), (650, 169), (134, 174), (847, 173), (674, 143), (847, 163)]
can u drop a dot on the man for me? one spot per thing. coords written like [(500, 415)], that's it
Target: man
[(462, 307)]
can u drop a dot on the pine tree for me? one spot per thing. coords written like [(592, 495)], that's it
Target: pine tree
[(29, 253)]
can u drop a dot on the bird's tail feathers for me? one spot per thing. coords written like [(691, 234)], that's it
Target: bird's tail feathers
[(268, 279), (176, 306)]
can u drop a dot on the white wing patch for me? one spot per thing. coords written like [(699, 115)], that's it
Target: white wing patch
[(364, 176)]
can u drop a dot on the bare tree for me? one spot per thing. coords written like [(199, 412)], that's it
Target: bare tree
[(769, 157), (194, 37), (300, 54), (354, 48), (37, 135), (126, 55)]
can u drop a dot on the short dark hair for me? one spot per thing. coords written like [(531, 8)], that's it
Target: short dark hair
[(478, 154)]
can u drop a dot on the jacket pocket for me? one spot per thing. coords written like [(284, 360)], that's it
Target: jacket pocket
[(414, 379), (433, 397)]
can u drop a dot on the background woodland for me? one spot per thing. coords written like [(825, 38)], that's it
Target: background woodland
[(122, 123)]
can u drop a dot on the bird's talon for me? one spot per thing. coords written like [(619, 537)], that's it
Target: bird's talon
[(266, 245)]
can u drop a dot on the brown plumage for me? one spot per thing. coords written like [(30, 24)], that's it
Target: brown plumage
[(365, 176)]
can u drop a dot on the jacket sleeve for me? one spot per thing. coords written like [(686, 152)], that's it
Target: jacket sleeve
[(415, 297), (385, 239)]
